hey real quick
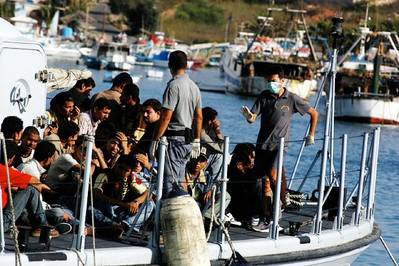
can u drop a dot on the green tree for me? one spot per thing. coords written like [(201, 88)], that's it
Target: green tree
[(200, 11)]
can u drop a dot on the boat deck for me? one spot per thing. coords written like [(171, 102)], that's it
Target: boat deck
[(301, 219)]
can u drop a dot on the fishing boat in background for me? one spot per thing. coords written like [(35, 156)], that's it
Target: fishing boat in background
[(368, 82), (110, 56), (244, 63), (332, 229)]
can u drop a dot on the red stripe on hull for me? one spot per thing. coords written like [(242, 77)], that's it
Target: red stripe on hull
[(369, 120)]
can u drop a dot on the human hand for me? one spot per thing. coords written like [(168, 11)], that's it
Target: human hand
[(207, 196), (133, 207), (41, 187), (124, 142), (309, 140), (143, 159), (196, 150), (153, 149), (75, 113), (244, 110)]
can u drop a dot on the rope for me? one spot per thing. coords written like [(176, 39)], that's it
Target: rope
[(226, 233), (14, 229), (389, 252)]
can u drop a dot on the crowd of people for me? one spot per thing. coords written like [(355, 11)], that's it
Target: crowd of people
[(46, 169)]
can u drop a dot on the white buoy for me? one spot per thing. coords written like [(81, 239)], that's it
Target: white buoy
[(183, 232)]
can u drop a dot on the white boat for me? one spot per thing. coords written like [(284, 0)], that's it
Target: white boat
[(312, 235), (362, 94), (110, 75), (156, 74)]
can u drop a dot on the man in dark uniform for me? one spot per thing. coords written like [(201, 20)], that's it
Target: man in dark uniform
[(276, 106)]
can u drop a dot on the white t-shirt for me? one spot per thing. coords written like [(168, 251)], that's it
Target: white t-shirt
[(58, 171)]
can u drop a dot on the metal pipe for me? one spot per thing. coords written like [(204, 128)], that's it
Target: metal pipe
[(394, 47), (340, 218), (276, 196), (361, 178), (223, 187), (89, 143), (332, 113), (373, 174), (298, 158), (161, 168), (326, 142)]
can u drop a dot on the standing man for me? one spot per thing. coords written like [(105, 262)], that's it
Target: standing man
[(276, 106), (181, 109)]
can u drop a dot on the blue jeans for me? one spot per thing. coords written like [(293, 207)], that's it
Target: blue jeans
[(28, 199), (106, 214), (177, 155), (215, 164)]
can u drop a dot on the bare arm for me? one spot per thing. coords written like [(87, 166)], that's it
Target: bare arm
[(197, 123), (166, 115), (313, 120), (252, 119)]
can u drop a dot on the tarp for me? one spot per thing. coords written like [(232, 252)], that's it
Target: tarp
[(63, 79)]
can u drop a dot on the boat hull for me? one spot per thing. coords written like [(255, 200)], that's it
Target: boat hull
[(364, 109)]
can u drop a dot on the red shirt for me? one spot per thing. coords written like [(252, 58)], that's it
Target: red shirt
[(17, 179)]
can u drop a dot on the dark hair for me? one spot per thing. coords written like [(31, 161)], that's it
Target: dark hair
[(11, 125), (86, 82), (30, 130), (208, 114), (11, 150), (154, 104), (122, 79), (241, 153), (102, 103), (44, 150), (60, 99), (177, 60), (79, 141), (132, 90), (67, 129), (276, 70), (127, 160)]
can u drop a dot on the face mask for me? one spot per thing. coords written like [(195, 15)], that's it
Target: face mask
[(273, 87)]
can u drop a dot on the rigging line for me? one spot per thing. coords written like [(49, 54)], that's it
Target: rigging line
[(14, 229), (388, 251)]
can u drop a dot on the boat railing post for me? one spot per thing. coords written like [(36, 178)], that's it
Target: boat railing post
[(373, 174), (2, 241), (161, 169), (223, 188), (340, 218), (276, 196), (88, 144), (362, 174)]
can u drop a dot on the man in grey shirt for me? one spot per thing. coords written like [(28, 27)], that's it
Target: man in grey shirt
[(275, 105), (181, 110)]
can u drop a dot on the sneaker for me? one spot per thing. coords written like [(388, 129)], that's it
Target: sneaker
[(247, 225), (53, 233), (63, 228), (263, 226), (230, 218), (255, 221)]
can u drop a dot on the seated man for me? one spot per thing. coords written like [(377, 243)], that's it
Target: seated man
[(26, 193), (30, 138), (199, 184), (64, 139), (119, 195), (36, 167), (242, 184), (88, 121)]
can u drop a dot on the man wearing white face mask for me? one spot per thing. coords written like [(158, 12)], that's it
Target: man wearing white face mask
[(275, 105)]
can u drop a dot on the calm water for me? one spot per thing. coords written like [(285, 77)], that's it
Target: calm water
[(233, 125)]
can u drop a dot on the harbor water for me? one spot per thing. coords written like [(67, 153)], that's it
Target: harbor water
[(235, 126)]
